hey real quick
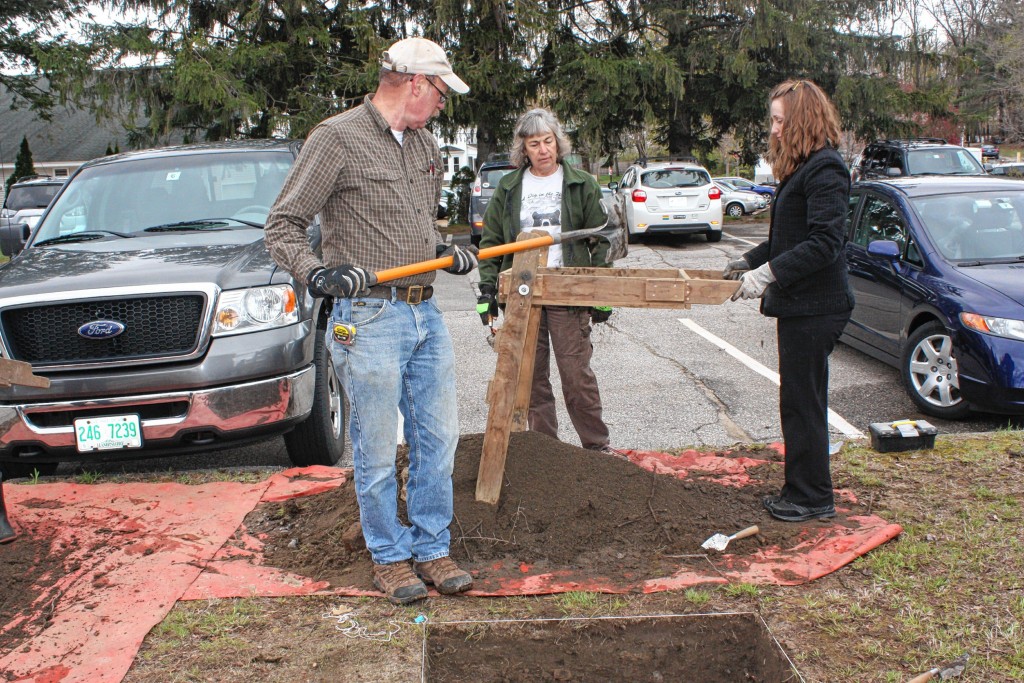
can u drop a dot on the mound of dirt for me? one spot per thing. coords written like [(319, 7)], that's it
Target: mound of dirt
[(561, 507)]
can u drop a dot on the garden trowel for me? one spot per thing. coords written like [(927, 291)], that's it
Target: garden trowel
[(943, 673), (720, 541)]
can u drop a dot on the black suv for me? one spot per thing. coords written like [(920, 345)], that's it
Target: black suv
[(491, 171), (915, 157)]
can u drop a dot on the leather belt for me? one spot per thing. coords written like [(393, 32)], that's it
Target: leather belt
[(410, 295)]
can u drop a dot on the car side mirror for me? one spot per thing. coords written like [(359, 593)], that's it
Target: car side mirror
[(893, 172), (13, 238), (884, 249), (613, 186)]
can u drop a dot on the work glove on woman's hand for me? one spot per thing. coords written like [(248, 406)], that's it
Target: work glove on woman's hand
[(487, 303), (754, 282), (344, 281), (734, 269), (600, 314), (463, 258)]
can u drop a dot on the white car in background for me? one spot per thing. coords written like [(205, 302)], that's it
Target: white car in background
[(669, 198), (27, 200)]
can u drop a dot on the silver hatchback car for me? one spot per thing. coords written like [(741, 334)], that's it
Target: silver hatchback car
[(739, 202), (670, 198)]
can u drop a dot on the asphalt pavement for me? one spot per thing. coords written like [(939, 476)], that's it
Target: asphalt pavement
[(702, 377)]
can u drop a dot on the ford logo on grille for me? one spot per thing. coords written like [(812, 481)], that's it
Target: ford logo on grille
[(101, 329)]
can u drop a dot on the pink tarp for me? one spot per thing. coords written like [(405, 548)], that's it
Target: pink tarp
[(133, 550), (137, 548)]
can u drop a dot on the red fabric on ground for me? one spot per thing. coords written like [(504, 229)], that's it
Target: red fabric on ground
[(137, 548), (134, 549)]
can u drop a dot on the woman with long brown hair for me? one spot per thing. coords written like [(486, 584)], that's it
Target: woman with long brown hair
[(800, 274)]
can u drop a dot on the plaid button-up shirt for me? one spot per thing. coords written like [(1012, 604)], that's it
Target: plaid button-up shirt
[(377, 199)]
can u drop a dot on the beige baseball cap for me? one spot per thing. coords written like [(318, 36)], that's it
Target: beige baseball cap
[(422, 56)]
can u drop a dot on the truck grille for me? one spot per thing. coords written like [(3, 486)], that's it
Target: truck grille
[(155, 326)]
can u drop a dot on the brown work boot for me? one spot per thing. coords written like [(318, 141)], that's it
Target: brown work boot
[(444, 575), (398, 582)]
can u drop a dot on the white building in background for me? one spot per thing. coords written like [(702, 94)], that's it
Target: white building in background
[(457, 153), (763, 172)]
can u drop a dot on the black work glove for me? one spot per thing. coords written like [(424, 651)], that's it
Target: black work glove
[(487, 303), (600, 314), (463, 258), (734, 269), (344, 281)]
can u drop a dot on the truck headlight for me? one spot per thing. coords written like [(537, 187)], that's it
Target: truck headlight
[(258, 308), (1000, 327)]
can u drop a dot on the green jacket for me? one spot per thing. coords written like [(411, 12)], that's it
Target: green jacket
[(581, 209)]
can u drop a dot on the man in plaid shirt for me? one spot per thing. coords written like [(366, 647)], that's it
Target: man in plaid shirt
[(373, 175)]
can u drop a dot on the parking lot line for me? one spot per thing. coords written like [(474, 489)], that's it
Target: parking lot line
[(834, 418), (740, 239)]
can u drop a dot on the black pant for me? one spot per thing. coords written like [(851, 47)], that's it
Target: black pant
[(805, 343)]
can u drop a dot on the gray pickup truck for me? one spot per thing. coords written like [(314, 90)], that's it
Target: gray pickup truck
[(147, 296)]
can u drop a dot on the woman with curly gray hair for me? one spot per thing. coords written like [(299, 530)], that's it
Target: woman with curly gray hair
[(546, 193)]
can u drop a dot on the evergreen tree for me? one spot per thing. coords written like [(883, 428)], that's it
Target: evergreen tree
[(239, 69), (23, 165), (733, 52), (28, 29)]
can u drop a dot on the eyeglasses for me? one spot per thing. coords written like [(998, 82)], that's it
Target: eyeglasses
[(444, 95)]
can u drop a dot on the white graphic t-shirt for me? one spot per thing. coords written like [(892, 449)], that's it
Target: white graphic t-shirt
[(541, 209)]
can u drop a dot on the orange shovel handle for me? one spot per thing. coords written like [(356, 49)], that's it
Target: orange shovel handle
[(439, 263)]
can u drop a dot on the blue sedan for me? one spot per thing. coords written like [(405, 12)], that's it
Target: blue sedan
[(937, 267)]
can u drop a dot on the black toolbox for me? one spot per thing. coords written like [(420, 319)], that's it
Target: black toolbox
[(902, 435)]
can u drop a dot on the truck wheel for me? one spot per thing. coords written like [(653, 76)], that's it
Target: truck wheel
[(320, 438), (929, 370), (16, 470)]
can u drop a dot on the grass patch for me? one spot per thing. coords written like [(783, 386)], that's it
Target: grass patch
[(88, 477), (951, 583), (575, 602)]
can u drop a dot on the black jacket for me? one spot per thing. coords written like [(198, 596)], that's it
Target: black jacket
[(805, 241)]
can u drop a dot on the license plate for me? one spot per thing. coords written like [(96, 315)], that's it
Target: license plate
[(678, 202), (108, 433)]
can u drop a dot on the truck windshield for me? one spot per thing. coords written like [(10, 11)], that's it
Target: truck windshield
[(128, 196)]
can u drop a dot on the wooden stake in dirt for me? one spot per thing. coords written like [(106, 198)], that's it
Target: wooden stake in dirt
[(527, 287), (520, 317), (19, 372)]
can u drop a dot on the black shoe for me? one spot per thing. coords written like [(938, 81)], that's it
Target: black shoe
[(780, 508)]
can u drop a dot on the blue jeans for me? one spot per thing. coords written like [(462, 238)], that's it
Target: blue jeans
[(402, 357)]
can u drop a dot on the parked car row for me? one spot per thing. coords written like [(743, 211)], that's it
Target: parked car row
[(737, 202)]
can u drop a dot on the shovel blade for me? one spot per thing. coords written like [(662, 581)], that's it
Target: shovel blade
[(716, 542)]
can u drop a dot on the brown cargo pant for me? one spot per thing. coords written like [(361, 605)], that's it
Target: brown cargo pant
[(566, 329)]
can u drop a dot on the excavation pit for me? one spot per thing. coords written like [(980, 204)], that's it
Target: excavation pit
[(712, 648)]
